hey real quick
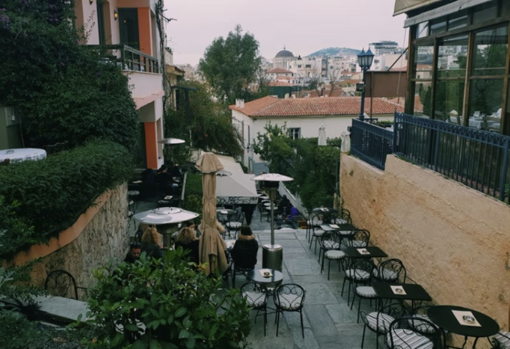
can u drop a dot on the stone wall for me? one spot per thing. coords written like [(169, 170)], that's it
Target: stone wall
[(105, 237), (453, 240)]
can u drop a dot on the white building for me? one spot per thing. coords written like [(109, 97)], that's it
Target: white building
[(282, 58), (302, 117)]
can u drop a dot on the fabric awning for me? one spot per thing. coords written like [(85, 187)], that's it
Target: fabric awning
[(236, 189), (402, 6)]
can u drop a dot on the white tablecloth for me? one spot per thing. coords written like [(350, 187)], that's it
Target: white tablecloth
[(22, 154)]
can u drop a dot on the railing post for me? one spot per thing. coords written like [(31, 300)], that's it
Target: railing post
[(436, 150), (504, 172), (395, 130)]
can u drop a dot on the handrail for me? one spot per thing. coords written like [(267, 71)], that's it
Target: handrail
[(128, 58), (371, 143)]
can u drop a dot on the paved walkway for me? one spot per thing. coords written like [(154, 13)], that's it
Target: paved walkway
[(328, 320)]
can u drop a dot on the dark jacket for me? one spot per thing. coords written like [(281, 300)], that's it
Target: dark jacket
[(192, 247), (244, 252), (153, 251)]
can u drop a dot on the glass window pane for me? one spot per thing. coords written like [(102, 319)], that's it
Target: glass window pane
[(485, 102), (423, 58), (485, 12), (438, 26), (449, 96), (422, 30), (458, 20), (491, 47), (452, 54), (422, 98)]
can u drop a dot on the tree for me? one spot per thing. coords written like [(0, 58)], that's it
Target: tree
[(230, 65), (210, 123), (63, 90), (166, 303)]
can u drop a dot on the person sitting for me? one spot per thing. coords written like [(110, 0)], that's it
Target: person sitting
[(244, 252), (189, 242), (284, 206), (152, 243), (134, 253), (164, 180)]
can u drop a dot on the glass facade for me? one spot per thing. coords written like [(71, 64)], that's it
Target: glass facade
[(463, 78)]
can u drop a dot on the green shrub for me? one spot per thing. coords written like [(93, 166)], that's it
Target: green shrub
[(193, 194), (165, 304), (43, 198)]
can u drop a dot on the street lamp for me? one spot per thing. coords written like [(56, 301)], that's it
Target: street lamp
[(272, 254), (365, 61)]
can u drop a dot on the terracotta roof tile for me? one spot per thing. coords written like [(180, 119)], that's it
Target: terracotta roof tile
[(280, 83), (271, 106), (279, 71)]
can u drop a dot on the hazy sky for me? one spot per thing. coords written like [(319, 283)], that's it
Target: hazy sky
[(302, 26)]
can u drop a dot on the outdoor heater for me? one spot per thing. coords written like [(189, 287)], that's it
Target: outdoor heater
[(365, 60), (272, 254)]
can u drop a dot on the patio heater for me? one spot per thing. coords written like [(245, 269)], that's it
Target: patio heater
[(365, 60), (272, 254), (171, 142)]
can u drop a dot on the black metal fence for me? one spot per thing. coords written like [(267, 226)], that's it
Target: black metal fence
[(127, 58), (479, 159), (371, 143)]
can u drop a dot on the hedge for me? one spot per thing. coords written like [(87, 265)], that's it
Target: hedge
[(43, 198)]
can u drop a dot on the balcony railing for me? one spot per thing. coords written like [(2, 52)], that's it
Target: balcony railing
[(127, 58), (371, 143), (475, 158)]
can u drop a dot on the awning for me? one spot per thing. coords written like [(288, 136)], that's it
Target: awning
[(236, 189), (402, 6)]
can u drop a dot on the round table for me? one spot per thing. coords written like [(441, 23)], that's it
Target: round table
[(22, 154), (443, 317), (257, 277)]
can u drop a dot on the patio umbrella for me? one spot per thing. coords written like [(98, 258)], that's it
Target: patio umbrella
[(165, 215), (211, 246), (322, 135)]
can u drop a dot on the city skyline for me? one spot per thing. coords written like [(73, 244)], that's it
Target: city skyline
[(302, 28)]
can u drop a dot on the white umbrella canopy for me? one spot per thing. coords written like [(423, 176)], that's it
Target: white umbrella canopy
[(272, 177), (211, 247), (171, 141), (322, 135), (165, 215)]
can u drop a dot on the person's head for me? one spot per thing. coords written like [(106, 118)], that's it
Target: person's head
[(246, 230), (190, 224), (186, 236), (151, 237), (163, 168), (135, 250)]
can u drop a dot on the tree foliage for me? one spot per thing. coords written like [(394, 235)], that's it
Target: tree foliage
[(230, 65), (313, 168), (210, 122), (63, 90), (165, 303)]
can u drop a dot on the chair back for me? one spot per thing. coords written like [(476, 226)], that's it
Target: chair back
[(61, 283), (290, 297), (402, 334), (254, 294), (332, 241), (391, 270), (315, 220), (362, 268), (341, 217), (359, 238)]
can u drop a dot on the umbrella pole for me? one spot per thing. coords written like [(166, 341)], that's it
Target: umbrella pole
[(272, 217)]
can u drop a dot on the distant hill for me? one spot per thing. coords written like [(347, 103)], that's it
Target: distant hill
[(335, 51)]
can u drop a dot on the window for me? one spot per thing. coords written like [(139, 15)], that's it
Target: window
[(308, 66), (299, 66), (422, 30), (294, 132), (485, 12), (458, 20)]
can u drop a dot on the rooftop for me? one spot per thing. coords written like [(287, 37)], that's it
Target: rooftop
[(272, 106)]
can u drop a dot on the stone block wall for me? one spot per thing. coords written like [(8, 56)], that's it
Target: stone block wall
[(103, 238), (453, 240)]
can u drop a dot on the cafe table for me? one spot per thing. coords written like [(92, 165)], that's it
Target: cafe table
[(363, 252), (397, 291), (463, 321), (257, 275)]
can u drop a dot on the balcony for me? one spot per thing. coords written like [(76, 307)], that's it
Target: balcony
[(476, 158), (127, 58)]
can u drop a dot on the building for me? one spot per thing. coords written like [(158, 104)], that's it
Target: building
[(303, 116), (282, 58), (458, 61), (129, 29), (384, 47)]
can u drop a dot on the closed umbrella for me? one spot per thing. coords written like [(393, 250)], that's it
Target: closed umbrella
[(211, 246), (322, 135)]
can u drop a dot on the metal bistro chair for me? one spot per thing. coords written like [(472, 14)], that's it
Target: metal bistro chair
[(233, 226), (331, 247), (358, 272), (289, 297), (379, 321), (401, 335), (358, 238), (62, 284), (256, 298), (501, 340)]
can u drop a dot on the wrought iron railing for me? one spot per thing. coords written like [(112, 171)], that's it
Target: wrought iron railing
[(476, 158), (371, 143), (127, 58), (479, 159)]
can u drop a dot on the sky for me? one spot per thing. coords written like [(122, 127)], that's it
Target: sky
[(303, 27)]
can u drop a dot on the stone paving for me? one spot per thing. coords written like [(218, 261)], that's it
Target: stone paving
[(328, 320)]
